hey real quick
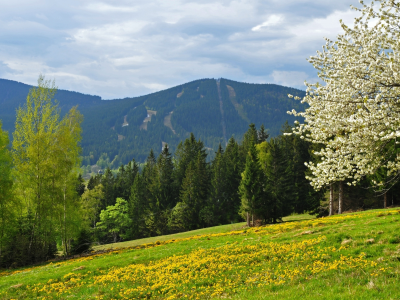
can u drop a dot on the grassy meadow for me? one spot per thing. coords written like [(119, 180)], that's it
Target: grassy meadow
[(351, 256)]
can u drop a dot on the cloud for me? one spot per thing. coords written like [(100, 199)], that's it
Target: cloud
[(131, 47), (4, 69), (272, 20)]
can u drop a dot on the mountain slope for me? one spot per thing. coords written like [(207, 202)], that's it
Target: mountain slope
[(214, 110)]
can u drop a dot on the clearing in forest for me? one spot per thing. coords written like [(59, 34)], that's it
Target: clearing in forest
[(167, 121), (147, 119), (125, 121), (238, 107), (352, 256)]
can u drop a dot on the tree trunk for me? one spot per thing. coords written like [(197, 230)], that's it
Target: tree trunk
[(385, 200), (340, 197), (331, 199), (248, 220), (252, 220)]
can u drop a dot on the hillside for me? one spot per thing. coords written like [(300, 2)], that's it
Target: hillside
[(214, 110), (352, 256)]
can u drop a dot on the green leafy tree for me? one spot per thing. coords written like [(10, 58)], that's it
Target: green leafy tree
[(115, 220), (7, 200), (91, 204), (45, 153)]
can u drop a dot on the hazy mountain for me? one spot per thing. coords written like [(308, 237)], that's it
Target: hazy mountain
[(214, 110)]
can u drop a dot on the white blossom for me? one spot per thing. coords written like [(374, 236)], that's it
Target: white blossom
[(355, 114)]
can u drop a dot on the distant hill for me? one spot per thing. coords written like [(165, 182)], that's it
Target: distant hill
[(118, 130)]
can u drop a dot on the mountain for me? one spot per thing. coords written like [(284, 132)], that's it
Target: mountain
[(115, 131)]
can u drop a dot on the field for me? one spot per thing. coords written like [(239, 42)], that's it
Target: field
[(352, 256)]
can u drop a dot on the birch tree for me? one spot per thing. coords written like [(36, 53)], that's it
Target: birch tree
[(7, 205), (45, 151)]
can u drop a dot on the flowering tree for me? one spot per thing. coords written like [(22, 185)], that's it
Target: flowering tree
[(355, 113)]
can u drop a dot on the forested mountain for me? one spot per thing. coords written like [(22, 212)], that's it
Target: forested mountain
[(115, 131)]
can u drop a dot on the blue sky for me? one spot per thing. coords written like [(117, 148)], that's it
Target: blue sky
[(126, 48)]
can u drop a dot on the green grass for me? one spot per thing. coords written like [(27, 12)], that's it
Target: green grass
[(209, 230), (354, 256)]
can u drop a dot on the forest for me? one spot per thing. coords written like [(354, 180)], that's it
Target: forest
[(47, 208), (114, 131)]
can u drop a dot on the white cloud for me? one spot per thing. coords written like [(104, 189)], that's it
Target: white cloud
[(133, 47), (272, 21)]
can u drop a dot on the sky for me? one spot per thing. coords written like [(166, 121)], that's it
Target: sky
[(128, 48)]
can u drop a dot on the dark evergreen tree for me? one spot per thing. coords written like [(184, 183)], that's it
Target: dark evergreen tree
[(262, 134), (91, 184), (213, 213), (277, 184), (234, 169), (138, 208), (251, 189), (80, 185), (108, 180), (165, 171), (186, 152)]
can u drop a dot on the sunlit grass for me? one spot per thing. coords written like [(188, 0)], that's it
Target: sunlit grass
[(353, 256)]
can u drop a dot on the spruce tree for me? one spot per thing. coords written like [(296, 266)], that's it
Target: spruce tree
[(165, 173), (250, 188), (262, 134), (277, 183), (80, 185), (214, 211), (108, 181), (185, 153), (137, 207), (234, 169)]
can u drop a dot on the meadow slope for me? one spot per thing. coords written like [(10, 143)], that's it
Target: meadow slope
[(351, 256)]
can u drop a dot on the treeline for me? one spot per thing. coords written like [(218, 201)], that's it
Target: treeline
[(257, 180)]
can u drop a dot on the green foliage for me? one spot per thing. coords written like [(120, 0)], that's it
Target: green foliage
[(7, 199), (114, 220), (45, 153), (91, 204)]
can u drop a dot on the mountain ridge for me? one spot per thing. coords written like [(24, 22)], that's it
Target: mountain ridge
[(117, 130)]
